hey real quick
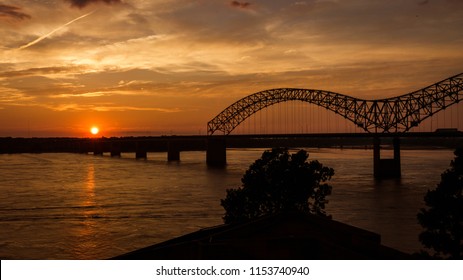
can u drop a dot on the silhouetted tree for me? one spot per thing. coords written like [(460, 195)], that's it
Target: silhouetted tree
[(443, 219), (277, 182)]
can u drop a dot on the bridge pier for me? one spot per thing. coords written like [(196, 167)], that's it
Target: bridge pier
[(386, 168), (115, 149), (83, 147), (173, 151), (216, 153), (97, 148), (116, 153), (140, 151), (141, 155)]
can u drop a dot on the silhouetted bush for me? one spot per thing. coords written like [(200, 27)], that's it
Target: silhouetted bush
[(277, 182), (443, 218)]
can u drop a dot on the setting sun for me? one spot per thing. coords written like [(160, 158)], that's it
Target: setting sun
[(94, 130)]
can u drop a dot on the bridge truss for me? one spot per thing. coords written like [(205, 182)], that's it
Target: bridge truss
[(395, 114)]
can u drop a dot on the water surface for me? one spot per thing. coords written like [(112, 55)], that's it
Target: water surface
[(71, 206)]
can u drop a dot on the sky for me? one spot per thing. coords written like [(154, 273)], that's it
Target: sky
[(136, 67)]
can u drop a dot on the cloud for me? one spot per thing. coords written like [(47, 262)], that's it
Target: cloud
[(13, 96), (41, 71), (53, 31), (106, 108), (242, 5), (12, 12), (83, 3)]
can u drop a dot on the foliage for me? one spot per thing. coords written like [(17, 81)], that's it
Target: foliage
[(443, 219), (277, 182)]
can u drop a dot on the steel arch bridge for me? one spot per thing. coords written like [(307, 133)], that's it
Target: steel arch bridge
[(395, 114)]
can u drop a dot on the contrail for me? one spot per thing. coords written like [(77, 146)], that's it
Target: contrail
[(53, 31)]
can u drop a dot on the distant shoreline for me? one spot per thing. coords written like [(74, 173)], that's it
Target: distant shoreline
[(410, 141)]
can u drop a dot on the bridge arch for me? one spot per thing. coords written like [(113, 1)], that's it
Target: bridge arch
[(395, 114)]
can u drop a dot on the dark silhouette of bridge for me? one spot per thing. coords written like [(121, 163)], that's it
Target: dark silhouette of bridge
[(395, 114), (382, 116)]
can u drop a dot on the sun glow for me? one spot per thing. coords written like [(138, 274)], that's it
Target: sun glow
[(94, 130)]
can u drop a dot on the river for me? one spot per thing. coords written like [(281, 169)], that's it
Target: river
[(72, 206)]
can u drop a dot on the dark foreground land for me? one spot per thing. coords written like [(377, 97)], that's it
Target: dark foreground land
[(290, 235)]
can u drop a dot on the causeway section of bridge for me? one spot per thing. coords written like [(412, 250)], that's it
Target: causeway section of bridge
[(216, 146)]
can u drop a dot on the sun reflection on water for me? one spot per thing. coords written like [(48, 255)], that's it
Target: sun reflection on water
[(86, 229), (90, 185)]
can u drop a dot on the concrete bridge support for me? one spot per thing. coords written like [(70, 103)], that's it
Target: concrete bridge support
[(216, 153), (115, 149), (83, 147), (97, 148), (140, 151), (115, 153), (173, 151), (386, 168), (141, 154)]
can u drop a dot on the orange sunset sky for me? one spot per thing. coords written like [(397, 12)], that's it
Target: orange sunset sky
[(169, 66)]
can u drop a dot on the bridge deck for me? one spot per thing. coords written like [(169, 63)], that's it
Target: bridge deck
[(199, 143)]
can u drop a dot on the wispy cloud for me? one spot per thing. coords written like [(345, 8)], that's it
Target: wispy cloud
[(423, 2), (242, 5), (12, 96), (86, 94), (53, 31), (12, 12), (42, 71), (107, 108), (83, 3)]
